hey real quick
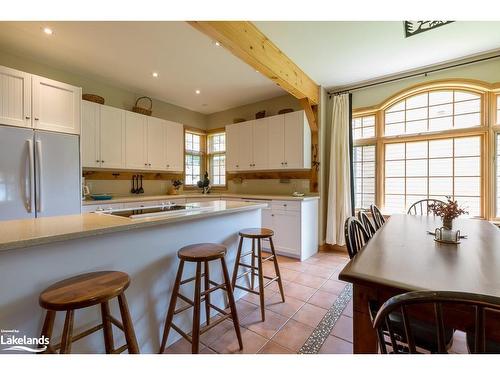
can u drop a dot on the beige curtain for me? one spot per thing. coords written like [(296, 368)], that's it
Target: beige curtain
[(339, 190)]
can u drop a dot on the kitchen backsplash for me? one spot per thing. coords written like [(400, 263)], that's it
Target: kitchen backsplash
[(151, 187)]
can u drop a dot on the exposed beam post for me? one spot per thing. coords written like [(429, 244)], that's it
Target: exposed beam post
[(247, 42)]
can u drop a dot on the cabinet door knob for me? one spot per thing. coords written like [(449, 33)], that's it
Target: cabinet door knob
[(97, 161), (150, 164), (36, 118), (102, 161), (146, 164), (27, 117)]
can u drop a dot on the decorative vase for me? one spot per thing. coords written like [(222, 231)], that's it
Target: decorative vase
[(448, 223)]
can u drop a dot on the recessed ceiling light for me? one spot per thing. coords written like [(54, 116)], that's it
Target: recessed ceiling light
[(155, 74), (48, 31), (217, 44), (197, 92), (256, 71)]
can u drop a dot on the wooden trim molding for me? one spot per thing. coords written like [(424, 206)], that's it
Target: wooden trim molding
[(304, 175), (97, 174), (244, 40)]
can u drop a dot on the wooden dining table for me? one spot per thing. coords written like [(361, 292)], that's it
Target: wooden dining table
[(403, 257)]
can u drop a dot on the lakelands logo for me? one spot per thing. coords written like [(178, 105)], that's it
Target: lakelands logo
[(16, 342)]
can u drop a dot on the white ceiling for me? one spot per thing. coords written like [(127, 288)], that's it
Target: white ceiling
[(125, 54), (342, 53)]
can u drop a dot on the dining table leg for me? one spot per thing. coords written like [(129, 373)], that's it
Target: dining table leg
[(365, 338)]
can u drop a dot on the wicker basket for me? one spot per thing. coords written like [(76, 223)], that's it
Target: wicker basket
[(93, 98), (142, 110)]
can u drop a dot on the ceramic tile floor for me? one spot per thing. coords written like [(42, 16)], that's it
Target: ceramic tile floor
[(311, 287)]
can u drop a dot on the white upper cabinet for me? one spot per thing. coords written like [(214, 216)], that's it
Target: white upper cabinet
[(156, 143), (30, 101), (15, 97), (175, 146), (135, 141), (56, 106), (90, 138), (277, 142), (112, 137)]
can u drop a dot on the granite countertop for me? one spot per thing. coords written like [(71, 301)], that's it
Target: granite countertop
[(142, 198), (23, 233)]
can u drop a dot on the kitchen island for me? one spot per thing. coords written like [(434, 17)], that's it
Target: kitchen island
[(35, 253)]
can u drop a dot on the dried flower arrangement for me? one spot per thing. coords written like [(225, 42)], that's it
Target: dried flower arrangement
[(448, 211)]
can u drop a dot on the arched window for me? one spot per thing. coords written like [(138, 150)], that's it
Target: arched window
[(428, 142)]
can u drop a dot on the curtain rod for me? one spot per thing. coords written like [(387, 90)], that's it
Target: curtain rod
[(412, 75)]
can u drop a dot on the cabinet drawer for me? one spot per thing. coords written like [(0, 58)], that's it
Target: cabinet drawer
[(286, 205)]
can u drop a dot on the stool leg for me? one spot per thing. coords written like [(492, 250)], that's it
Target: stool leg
[(195, 335), (128, 326), (67, 332), (207, 296), (232, 305), (252, 284), (277, 269), (236, 264), (171, 307), (107, 328), (48, 326), (261, 280)]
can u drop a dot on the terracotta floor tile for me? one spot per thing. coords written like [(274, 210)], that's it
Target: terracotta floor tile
[(296, 266), (309, 280), (332, 286), (299, 291), (275, 287), (320, 271), (334, 345), (323, 299), (181, 346), (214, 333), (293, 335), (348, 309), (244, 308), (207, 350), (255, 298), (310, 315), (287, 308), (288, 274), (228, 343), (273, 348), (267, 328), (343, 328)]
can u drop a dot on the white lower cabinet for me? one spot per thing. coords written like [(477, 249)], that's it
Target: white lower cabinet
[(295, 226), (202, 199)]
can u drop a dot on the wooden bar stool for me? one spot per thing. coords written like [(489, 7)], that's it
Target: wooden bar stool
[(200, 253), (90, 289), (257, 234)]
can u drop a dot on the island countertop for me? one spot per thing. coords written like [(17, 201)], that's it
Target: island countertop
[(15, 234)]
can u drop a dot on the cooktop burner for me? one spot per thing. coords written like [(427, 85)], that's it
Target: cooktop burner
[(146, 210)]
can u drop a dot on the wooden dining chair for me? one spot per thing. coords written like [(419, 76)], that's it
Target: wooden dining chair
[(355, 236), (367, 224), (421, 207), (378, 218), (409, 335)]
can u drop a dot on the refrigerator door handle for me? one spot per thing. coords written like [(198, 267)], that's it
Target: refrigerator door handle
[(39, 205), (29, 184)]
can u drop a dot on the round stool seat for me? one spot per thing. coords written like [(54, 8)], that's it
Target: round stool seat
[(201, 252), (256, 233), (84, 290)]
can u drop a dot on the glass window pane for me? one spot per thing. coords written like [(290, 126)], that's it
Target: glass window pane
[(358, 133), (416, 168), (466, 121), (417, 101), (394, 129), (369, 169), (394, 117), (368, 185), (369, 132), (468, 186), (468, 107), (396, 107), (416, 185), (440, 185), (394, 185), (462, 95), (441, 148), (441, 167), (368, 121), (416, 150), (369, 153), (416, 114), (441, 110), (416, 126), (394, 151), (468, 166), (441, 123), (440, 97), (468, 146), (470, 204), (395, 168), (394, 204)]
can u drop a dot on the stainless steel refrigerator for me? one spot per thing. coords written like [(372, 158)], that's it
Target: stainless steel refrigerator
[(39, 173)]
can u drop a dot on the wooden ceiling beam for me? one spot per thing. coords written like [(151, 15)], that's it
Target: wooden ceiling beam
[(244, 40)]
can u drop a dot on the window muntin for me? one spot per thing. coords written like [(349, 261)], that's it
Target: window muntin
[(193, 158), (217, 159), (363, 127), (433, 169), (433, 111), (364, 176)]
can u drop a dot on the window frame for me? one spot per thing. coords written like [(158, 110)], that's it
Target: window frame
[(212, 133), (487, 131), (201, 153)]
